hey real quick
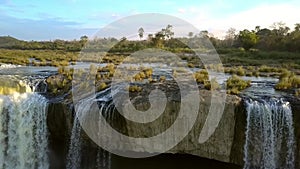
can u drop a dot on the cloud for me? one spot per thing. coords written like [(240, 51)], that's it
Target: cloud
[(45, 29), (181, 10), (263, 15)]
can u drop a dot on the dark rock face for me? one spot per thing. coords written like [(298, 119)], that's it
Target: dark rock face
[(295, 105), (225, 145), (59, 122), (170, 161)]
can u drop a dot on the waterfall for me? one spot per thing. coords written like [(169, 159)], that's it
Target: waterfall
[(270, 140), (23, 131), (103, 158), (74, 154)]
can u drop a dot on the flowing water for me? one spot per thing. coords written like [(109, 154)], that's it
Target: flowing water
[(270, 140), (23, 131), (74, 154), (23, 123), (103, 158)]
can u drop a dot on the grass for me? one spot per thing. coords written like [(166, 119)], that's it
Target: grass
[(212, 85), (102, 86), (236, 62), (288, 80), (234, 57), (201, 76), (42, 57), (134, 88), (235, 84)]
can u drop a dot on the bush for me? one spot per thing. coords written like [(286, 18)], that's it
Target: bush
[(236, 84), (268, 69), (201, 76), (240, 71), (135, 88), (162, 78), (287, 80), (212, 84), (102, 86)]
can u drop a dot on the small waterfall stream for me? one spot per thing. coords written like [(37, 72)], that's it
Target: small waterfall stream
[(103, 158), (74, 154), (23, 131), (270, 140)]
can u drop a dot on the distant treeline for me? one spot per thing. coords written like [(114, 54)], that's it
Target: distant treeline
[(278, 38), (8, 42)]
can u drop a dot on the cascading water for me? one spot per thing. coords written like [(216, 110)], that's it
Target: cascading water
[(83, 107), (270, 140), (23, 131), (74, 154), (103, 159)]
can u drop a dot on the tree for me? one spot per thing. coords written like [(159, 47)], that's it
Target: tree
[(150, 36), (293, 39), (265, 39), (167, 32), (280, 29), (247, 39), (257, 29), (230, 37), (83, 40), (191, 34), (297, 27), (203, 34), (159, 39), (141, 33), (162, 36)]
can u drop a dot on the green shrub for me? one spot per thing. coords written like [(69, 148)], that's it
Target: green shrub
[(212, 84), (255, 73), (201, 76), (236, 84), (162, 78), (268, 69), (134, 88), (240, 71), (102, 86), (288, 80)]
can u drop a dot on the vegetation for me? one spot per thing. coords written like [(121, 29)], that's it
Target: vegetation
[(201, 76), (288, 80), (212, 85), (258, 52), (134, 88), (235, 85), (247, 39)]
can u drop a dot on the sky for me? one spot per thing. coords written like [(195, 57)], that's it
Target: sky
[(70, 19)]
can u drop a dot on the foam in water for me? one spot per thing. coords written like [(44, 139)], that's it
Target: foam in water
[(8, 66), (11, 86), (23, 131), (270, 140)]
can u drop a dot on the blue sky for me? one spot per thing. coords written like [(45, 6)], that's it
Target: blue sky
[(69, 19)]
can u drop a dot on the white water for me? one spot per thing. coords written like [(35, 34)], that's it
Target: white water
[(23, 131), (270, 140), (103, 158), (74, 154)]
